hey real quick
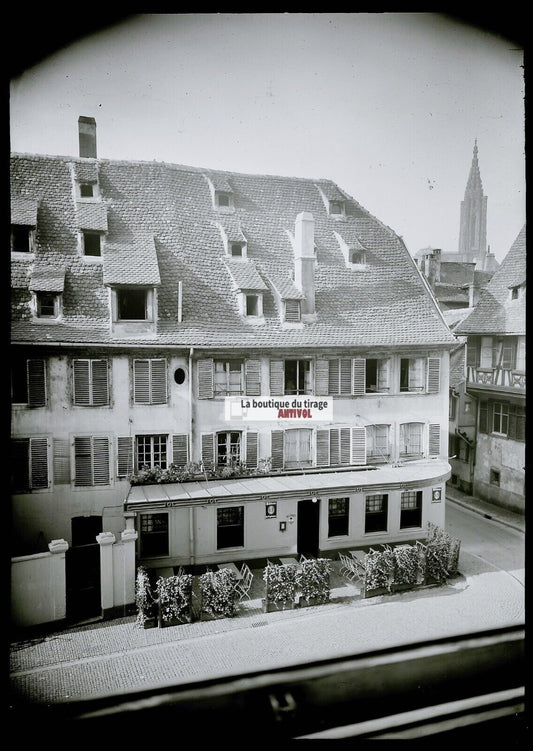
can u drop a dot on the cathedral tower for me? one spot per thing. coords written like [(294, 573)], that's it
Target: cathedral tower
[(473, 223)]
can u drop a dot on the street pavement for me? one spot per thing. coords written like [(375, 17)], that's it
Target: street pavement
[(117, 656)]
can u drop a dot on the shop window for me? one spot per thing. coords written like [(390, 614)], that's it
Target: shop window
[(411, 509), (338, 516), (376, 509), (230, 527)]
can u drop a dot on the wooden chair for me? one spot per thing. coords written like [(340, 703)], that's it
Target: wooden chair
[(242, 587)]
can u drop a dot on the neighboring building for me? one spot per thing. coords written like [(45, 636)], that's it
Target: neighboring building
[(496, 377), (462, 425), (144, 294)]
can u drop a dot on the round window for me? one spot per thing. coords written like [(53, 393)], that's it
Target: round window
[(179, 376)]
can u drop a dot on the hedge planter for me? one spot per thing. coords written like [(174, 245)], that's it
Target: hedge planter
[(309, 602), (271, 606), (280, 587), (312, 580), (379, 573), (145, 600), (217, 595), (174, 595)]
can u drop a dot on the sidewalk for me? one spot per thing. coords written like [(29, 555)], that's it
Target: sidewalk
[(486, 509)]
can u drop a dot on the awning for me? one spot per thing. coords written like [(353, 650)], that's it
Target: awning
[(410, 475)]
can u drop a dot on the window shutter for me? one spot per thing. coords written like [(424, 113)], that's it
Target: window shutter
[(82, 461), (208, 450), (333, 376), (334, 446), (321, 377), (383, 375), (158, 381), (36, 383), (81, 384), (358, 445), (416, 376), (100, 395), (359, 376), (483, 417), (292, 310), (345, 376), (61, 461), (345, 447), (205, 379), (39, 462), (403, 438), (251, 448), (252, 375), (101, 460), (124, 456), (322, 447), (141, 381), (180, 449), (277, 379), (277, 449), (434, 440), (433, 368)]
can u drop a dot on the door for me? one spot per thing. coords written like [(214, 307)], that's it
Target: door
[(83, 569), (308, 527)]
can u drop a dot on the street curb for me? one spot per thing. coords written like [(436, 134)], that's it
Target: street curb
[(492, 517)]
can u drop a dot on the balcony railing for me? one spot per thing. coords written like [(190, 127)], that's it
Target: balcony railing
[(504, 377)]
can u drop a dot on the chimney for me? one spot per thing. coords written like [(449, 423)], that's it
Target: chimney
[(304, 262), (433, 267), (87, 135)]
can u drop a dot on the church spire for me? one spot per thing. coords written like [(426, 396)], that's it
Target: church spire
[(473, 223)]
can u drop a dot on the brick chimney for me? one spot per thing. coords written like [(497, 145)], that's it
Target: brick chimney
[(304, 262), (433, 267), (87, 136)]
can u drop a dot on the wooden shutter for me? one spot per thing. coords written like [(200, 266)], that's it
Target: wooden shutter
[(276, 452), (277, 378), (251, 448), (252, 376), (345, 376), (322, 447), (141, 381), (39, 462), (101, 460), (433, 369), (333, 376), (205, 378), (292, 310), (434, 439), (334, 446), (359, 376), (180, 449), (61, 461), (383, 375), (483, 417), (358, 445), (100, 387), (81, 383), (158, 381), (345, 445), (208, 450), (321, 377), (36, 383), (82, 461), (124, 456)]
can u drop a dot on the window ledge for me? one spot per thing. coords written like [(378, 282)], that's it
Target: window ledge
[(22, 254), (92, 259)]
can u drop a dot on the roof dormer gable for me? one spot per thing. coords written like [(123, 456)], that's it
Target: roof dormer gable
[(221, 193), (334, 200), (353, 252), (234, 240)]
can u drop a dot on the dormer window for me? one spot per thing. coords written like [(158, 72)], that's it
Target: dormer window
[(336, 208), (252, 305), (357, 256), (514, 293), (223, 199), (86, 190), (22, 238), (48, 304), (132, 304), (92, 243), (292, 311), (237, 250)]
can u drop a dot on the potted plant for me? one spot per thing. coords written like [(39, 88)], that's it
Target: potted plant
[(217, 593), (280, 587), (312, 580), (175, 599), (144, 600)]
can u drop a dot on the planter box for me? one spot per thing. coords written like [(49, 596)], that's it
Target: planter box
[(150, 623), (404, 587), (185, 618), (215, 616), (307, 602), (375, 592), (271, 606)]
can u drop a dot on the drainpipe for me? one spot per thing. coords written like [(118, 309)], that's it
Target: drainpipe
[(192, 515)]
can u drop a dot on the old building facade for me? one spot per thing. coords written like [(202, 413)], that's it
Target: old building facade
[(168, 323)]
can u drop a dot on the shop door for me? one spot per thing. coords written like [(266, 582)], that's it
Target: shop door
[(308, 527)]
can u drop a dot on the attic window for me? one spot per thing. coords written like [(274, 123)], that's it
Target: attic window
[(222, 199), (292, 311), (92, 244), (252, 305), (86, 190), (357, 256), (516, 292), (336, 208), (21, 238), (48, 304), (132, 304), (236, 250)]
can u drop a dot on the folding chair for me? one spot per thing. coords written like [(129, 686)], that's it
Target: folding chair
[(348, 569), (242, 587)]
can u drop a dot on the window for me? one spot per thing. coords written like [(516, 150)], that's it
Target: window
[(504, 353), (340, 376), (92, 244), (150, 381), (298, 448), (376, 507), (377, 442), (292, 311), (151, 451), (154, 535), (90, 383), (86, 190), (91, 461), (29, 464), (341, 446), (236, 250), (47, 304), (483, 417), (473, 352), (297, 377), (517, 423), (411, 439), (132, 304), (412, 374), (28, 382), (452, 407), (230, 527), (222, 200), (338, 511), (228, 448), (376, 375), (495, 477), (22, 238), (336, 208), (357, 256), (252, 305), (500, 417), (464, 451), (228, 377), (411, 509), (514, 293)]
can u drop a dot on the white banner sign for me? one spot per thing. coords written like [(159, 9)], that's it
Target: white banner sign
[(272, 408)]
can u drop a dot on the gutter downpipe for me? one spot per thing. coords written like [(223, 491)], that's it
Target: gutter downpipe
[(192, 512)]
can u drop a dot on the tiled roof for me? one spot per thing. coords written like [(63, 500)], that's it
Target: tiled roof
[(86, 172), (220, 182), (457, 365), (454, 316), (245, 274), (232, 230), (92, 215), (162, 226), (332, 191), (47, 278), (20, 273), (285, 287), (456, 273), (134, 262), (496, 312), (24, 211)]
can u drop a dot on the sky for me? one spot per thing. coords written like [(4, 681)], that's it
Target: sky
[(387, 105)]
